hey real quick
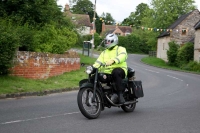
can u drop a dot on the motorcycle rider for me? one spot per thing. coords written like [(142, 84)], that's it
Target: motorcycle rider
[(114, 57)]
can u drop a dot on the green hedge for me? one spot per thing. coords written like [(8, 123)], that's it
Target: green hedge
[(9, 41)]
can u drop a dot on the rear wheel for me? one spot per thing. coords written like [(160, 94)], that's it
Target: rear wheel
[(129, 108), (88, 108)]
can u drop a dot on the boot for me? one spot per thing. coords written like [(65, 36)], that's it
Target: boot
[(121, 98)]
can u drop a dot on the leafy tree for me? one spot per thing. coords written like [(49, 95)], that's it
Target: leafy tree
[(33, 12), (109, 18), (136, 17), (86, 7), (165, 12), (83, 7)]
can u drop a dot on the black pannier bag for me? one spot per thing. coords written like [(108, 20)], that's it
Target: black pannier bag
[(136, 88)]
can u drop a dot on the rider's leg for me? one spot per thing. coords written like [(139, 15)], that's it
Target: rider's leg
[(118, 75)]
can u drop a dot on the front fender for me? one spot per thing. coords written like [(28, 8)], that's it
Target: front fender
[(89, 85)]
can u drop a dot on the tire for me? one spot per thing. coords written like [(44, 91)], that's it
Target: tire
[(129, 108), (89, 109)]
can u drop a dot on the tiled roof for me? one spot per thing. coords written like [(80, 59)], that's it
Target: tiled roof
[(112, 28), (81, 19), (125, 29), (177, 22), (197, 26)]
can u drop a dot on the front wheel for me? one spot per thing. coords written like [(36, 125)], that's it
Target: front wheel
[(90, 109)]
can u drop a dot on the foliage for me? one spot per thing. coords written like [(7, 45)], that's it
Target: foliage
[(162, 64), (9, 41), (172, 53), (167, 11), (135, 18), (185, 54), (191, 66), (97, 40), (53, 40), (68, 81), (133, 44), (83, 7), (33, 12)]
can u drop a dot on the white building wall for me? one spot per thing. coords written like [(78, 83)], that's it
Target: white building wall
[(197, 46), (84, 30), (162, 47)]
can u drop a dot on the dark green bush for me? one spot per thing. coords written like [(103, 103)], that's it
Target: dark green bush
[(185, 54), (191, 66), (172, 53), (54, 40)]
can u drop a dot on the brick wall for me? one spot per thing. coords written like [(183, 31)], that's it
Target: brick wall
[(43, 65)]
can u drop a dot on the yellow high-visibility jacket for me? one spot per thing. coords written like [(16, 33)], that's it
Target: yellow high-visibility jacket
[(118, 54)]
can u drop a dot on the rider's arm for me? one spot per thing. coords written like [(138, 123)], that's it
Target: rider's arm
[(122, 55)]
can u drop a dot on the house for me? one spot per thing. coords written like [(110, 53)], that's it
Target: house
[(181, 31), (197, 43), (118, 30), (81, 21)]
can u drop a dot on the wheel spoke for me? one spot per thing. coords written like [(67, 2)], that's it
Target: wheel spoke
[(90, 107)]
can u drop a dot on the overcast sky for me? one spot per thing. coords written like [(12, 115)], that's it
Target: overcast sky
[(119, 9)]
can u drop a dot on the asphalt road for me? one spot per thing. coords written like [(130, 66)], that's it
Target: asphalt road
[(171, 104)]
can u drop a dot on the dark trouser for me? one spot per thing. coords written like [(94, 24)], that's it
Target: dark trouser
[(118, 75)]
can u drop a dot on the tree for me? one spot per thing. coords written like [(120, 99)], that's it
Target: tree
[(83, 7), (108, 18), (135, 18), (86, 7), (33, 12), (167, 11)]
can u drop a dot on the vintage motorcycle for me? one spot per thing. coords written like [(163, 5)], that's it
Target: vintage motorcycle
[(99, 91)]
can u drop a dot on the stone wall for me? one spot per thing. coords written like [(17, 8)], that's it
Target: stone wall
[(188, 24), (197, 46), (43, 65)]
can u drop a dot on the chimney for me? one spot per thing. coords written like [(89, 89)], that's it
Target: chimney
[(67, 9), (103, 27)]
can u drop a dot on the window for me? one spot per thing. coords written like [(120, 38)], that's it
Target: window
[(118, 34), (184, 30), (163, 46)]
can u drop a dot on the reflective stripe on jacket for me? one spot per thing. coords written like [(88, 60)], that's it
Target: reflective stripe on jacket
[(118, 54)]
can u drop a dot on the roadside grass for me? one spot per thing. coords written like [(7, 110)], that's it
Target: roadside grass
[(68, 80), (162, 64)]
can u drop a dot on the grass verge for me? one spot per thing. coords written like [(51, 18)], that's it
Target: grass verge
[(162, 64), (12, 84)]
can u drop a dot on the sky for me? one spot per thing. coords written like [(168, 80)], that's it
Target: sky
[(119, 9)]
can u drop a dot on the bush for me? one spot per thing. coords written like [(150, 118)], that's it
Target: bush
[(172, 53), (133, 44), (185, 54), (9, 41), (54, 40), (191, 66)]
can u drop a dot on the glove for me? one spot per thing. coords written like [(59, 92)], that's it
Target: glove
[(110, 62)]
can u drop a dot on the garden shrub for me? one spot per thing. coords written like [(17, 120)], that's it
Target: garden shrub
[(185, 54), (191, 66), (172, 53)]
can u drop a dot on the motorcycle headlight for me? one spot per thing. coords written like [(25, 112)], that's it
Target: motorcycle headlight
[(89, 69)]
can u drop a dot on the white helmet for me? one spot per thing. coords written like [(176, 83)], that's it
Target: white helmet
[(111, 40)]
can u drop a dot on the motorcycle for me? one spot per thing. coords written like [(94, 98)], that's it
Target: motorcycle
[(99, 91)]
